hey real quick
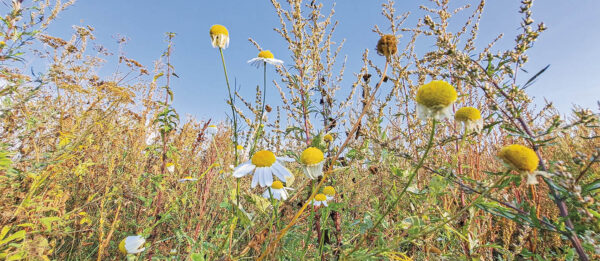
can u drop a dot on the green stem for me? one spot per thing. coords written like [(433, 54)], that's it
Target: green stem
[(235, 135), (233, 114)]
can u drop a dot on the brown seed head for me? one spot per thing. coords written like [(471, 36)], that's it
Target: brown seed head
[(387, 45)]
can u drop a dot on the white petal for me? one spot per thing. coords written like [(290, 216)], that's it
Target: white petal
[(268, 176), (324, 203), (282, 172), (255, 178), (284, 194), (243, 170)]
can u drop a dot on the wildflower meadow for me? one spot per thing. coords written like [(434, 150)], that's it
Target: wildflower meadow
[(432, 150)]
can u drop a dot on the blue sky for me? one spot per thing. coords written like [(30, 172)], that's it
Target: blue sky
[(570, 45)]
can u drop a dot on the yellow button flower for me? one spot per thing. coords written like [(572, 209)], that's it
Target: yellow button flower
[(328, 138), (265, 57), (320, 199), (470, 117), (277, 190), (523, 160), (219, 36), (435, 100), (329, 191), (312, 160)]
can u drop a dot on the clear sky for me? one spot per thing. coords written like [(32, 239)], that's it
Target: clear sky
[(570, 45)]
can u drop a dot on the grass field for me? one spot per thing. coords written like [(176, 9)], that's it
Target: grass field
[(410, 162)]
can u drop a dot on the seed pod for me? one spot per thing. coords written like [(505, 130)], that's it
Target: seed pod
[(387, 45)]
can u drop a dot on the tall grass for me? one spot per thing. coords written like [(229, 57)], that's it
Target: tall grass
[(87, 160)]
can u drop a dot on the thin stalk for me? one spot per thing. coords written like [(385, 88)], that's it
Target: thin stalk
[(235, 135)]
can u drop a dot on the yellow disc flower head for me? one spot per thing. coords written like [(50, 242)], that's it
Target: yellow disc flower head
[(522, 159), (239, 147), (219, 36), (329, 191), (470, 117), (328, 138), (264, 57), (435, 99), (311, 156), (263, 158), (519, 157), (277, 191), (277, 184), (320, 199), (312, 160)]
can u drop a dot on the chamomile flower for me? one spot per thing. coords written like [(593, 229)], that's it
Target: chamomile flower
[(265, 57), (278, 191), (264, 164), (219, 36), (470, 117), (171, 167), (312, 160), (435, 100), (187, 179), (132, 245), (320, 199), (522, 159), (212, 129), (329, 192), (328, 138)]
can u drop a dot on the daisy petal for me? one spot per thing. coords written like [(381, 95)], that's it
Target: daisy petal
[(268, 176), (255, 178)]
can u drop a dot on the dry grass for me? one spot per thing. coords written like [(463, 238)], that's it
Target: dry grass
[(83, 158)]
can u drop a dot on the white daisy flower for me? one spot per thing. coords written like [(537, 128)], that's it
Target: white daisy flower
[(263, 165), (219, 36), (329, 192), (212, 129), (186, 179), (265, 57), (470, 117), (320, 199), (435, 100), (132, 245), (312, 160), (278, 191)]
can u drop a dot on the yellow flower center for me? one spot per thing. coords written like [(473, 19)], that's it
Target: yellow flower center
[(436, 94), (122, 247), (212, 126), (170, 164), (328, 138), (218, 29), (519, 157), (467, 114), (266, 54), (277, 185), (188, 177), (311, 156), (329, 191), (263, 158), (239, 147), (320, 197)]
